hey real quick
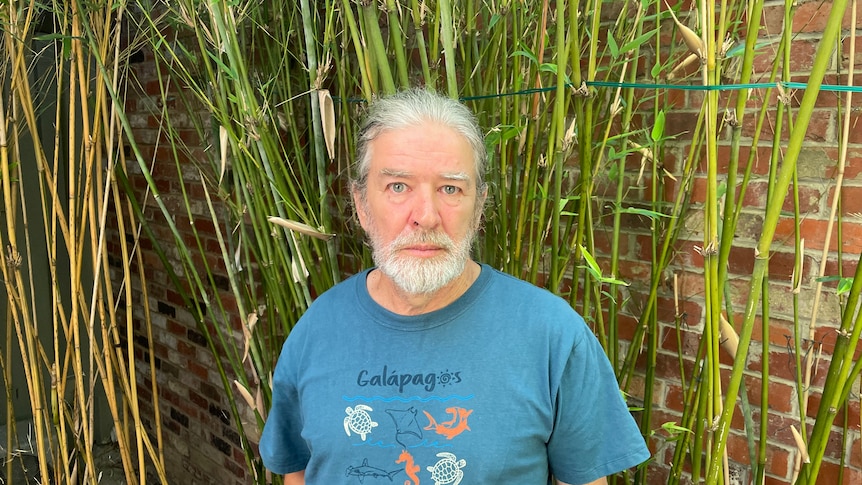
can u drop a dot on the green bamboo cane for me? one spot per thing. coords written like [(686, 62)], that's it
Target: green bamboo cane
[(843, 370), (396, 35), (366, 80), (558, 149), (770, 222), (374, 37), (319, 151), (731, 210), (447, 37), (760, 462), (418, 25)]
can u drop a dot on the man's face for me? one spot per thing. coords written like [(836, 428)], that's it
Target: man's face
[(421, 208)]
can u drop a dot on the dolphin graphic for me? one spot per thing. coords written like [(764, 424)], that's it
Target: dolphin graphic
[(363, 471)]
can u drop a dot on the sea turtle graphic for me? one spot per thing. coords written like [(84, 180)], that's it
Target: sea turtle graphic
[(447, 470), (358, 420)]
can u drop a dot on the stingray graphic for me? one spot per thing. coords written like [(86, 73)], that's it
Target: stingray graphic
[(407, 429)]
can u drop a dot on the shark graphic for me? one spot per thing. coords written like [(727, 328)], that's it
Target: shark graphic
[(364, 471), (450, 429)]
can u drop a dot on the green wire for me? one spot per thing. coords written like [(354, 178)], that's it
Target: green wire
[(684, 87)]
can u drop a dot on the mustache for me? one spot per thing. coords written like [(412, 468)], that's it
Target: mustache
[(425, 237)]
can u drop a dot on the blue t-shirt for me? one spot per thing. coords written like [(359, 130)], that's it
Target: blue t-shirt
[(506, 385)]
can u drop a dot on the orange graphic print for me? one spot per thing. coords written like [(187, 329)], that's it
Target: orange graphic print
[(450, 429), (410, 467)]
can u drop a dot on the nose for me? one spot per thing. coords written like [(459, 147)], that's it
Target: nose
[(425, 214)]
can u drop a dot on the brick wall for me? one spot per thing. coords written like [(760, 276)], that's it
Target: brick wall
[(203, 446), (817, 168)]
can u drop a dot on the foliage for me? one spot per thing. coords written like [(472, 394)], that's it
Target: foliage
[(578, 153), (68, 284)]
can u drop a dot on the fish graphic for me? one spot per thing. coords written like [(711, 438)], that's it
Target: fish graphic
[(364, 471), (450, 429)]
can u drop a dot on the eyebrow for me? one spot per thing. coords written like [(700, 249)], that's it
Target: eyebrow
[(457, 176)]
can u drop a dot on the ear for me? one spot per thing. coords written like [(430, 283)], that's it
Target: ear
[(483, 197), (480, 206), (360, 208)]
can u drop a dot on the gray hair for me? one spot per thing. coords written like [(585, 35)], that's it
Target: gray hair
[(410, 108)]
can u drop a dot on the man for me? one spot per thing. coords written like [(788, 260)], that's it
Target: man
[(431, 367)]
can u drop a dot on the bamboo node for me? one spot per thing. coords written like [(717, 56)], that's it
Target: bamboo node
[(13, 258), (731, 119), (582, 90), (784, 96)]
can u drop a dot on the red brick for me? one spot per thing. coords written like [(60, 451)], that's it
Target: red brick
[(855, 135), (814, 230), (626, 327), (778, 461), (633, 271), (782, 266), (781, 397), (856, 449), (830, 472), (667, 309), (760, 160), (737, 448), (815, 400), (685, 340), (811, 17)]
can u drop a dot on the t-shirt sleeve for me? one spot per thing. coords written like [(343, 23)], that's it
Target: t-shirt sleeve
[(282, 447), (594, 433)]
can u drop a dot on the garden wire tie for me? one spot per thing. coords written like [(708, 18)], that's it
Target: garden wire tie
[(684, 87)]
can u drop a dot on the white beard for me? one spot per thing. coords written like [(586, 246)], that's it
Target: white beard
[(417, 276)]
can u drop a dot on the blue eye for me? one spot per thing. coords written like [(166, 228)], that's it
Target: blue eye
[(398, 187), (450, 189)]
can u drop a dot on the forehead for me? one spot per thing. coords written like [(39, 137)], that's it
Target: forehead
[(428, 145)]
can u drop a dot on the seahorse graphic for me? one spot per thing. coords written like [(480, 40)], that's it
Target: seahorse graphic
[(410, 467), (448, 428)]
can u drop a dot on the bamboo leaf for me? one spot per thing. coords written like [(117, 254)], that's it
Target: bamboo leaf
[(637, 42), (301, 228), (244, 393), (674, 429), (223, 144), (614, 172), (691, 39), (500, 134), (844, 283), (739, 49), (552, 68), (529, 55), (327, 120), (644, 212), (224, 67), (658, 127), (591, 262), (612, 45)]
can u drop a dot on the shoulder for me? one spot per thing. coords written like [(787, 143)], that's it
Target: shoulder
[(516, 291), (528, 304), (328, 308)]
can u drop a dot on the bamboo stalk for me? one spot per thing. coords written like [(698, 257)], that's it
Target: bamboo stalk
[(771, 219)]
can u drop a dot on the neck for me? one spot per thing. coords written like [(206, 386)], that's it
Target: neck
[(390, 296)]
